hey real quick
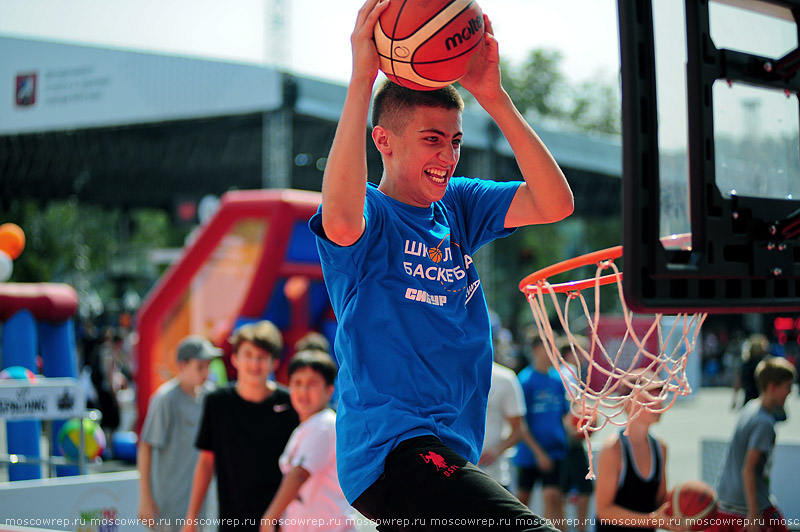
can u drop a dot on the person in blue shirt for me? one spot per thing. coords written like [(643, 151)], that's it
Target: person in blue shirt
[(413, 341), (542, 460)]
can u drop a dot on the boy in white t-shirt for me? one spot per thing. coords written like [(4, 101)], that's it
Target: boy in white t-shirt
[(310, 487)]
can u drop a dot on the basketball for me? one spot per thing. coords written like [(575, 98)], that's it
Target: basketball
[(695, 502), (69, 438), (428, 44)]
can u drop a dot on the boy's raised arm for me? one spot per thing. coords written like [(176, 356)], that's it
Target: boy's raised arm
[(344, 181), (545, 196)]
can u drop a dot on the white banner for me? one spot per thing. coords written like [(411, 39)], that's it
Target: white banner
[(48, 86), (43, 399), (105, 502)]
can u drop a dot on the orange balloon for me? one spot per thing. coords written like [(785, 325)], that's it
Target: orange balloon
[(12, 239)]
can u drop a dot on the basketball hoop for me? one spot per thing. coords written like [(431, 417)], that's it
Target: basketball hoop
[(643, 368)]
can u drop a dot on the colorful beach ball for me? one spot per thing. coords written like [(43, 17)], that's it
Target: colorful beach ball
[(18, 373), (94, 441)]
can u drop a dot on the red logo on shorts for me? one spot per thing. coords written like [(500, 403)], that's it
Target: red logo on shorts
[(439, 462)]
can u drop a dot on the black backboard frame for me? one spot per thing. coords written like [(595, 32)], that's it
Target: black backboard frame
[(745, 252)]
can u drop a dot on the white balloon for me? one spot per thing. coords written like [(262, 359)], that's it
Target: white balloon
[(6, 266)]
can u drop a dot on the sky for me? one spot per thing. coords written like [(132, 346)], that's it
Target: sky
[(314, 40), (315, 35)]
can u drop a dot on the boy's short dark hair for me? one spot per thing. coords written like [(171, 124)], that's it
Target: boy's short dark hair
[(643, 378), (532, 338), (317, 360), (313, 341), (775, 370), (263, 334), (392, 103)]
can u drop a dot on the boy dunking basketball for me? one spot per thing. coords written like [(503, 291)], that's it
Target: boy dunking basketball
[(413, 339)]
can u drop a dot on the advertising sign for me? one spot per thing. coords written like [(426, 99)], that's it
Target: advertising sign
[(47, 86), (44, 399)]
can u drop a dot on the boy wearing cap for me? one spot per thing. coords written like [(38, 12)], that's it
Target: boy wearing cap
[(166, 454)]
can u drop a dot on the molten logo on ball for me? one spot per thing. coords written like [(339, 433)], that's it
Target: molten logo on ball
[(475, 27)]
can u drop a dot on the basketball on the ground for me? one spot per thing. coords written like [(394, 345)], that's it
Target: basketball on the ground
[(428, 44), (695, 502)]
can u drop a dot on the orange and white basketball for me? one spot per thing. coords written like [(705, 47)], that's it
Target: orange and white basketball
[(428, 44)]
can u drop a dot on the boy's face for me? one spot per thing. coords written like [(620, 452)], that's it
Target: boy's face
[(779, 392), (309, 392), (194, 372), (253, 364), (650, 399), (420, 160), (539, 356)]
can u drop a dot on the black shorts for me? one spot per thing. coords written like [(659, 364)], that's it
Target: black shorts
[(428, 486), (528, 476), (577, 465)]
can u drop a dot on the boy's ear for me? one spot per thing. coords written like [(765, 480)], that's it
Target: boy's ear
[(380, 136)]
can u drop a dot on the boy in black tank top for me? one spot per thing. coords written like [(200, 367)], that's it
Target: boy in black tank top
[(631, 485)]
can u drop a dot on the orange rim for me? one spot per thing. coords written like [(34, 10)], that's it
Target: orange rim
[(532, 282)]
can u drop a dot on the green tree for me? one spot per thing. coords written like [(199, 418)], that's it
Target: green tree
[(543, 94), (595, 107), (540, 90), (99, 251), (538, 87)]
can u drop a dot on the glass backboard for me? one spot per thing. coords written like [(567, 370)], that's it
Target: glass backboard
[(711, 155)]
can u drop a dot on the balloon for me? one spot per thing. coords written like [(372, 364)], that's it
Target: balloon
[(6, 266), (12, 240)]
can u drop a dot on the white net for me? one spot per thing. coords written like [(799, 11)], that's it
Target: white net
[(611, 378)]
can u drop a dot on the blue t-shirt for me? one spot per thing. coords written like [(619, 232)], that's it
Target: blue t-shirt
[(413, 339), (547, 403)]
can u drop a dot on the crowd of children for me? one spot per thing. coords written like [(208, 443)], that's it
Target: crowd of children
[(414, 353), (269, 449)]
